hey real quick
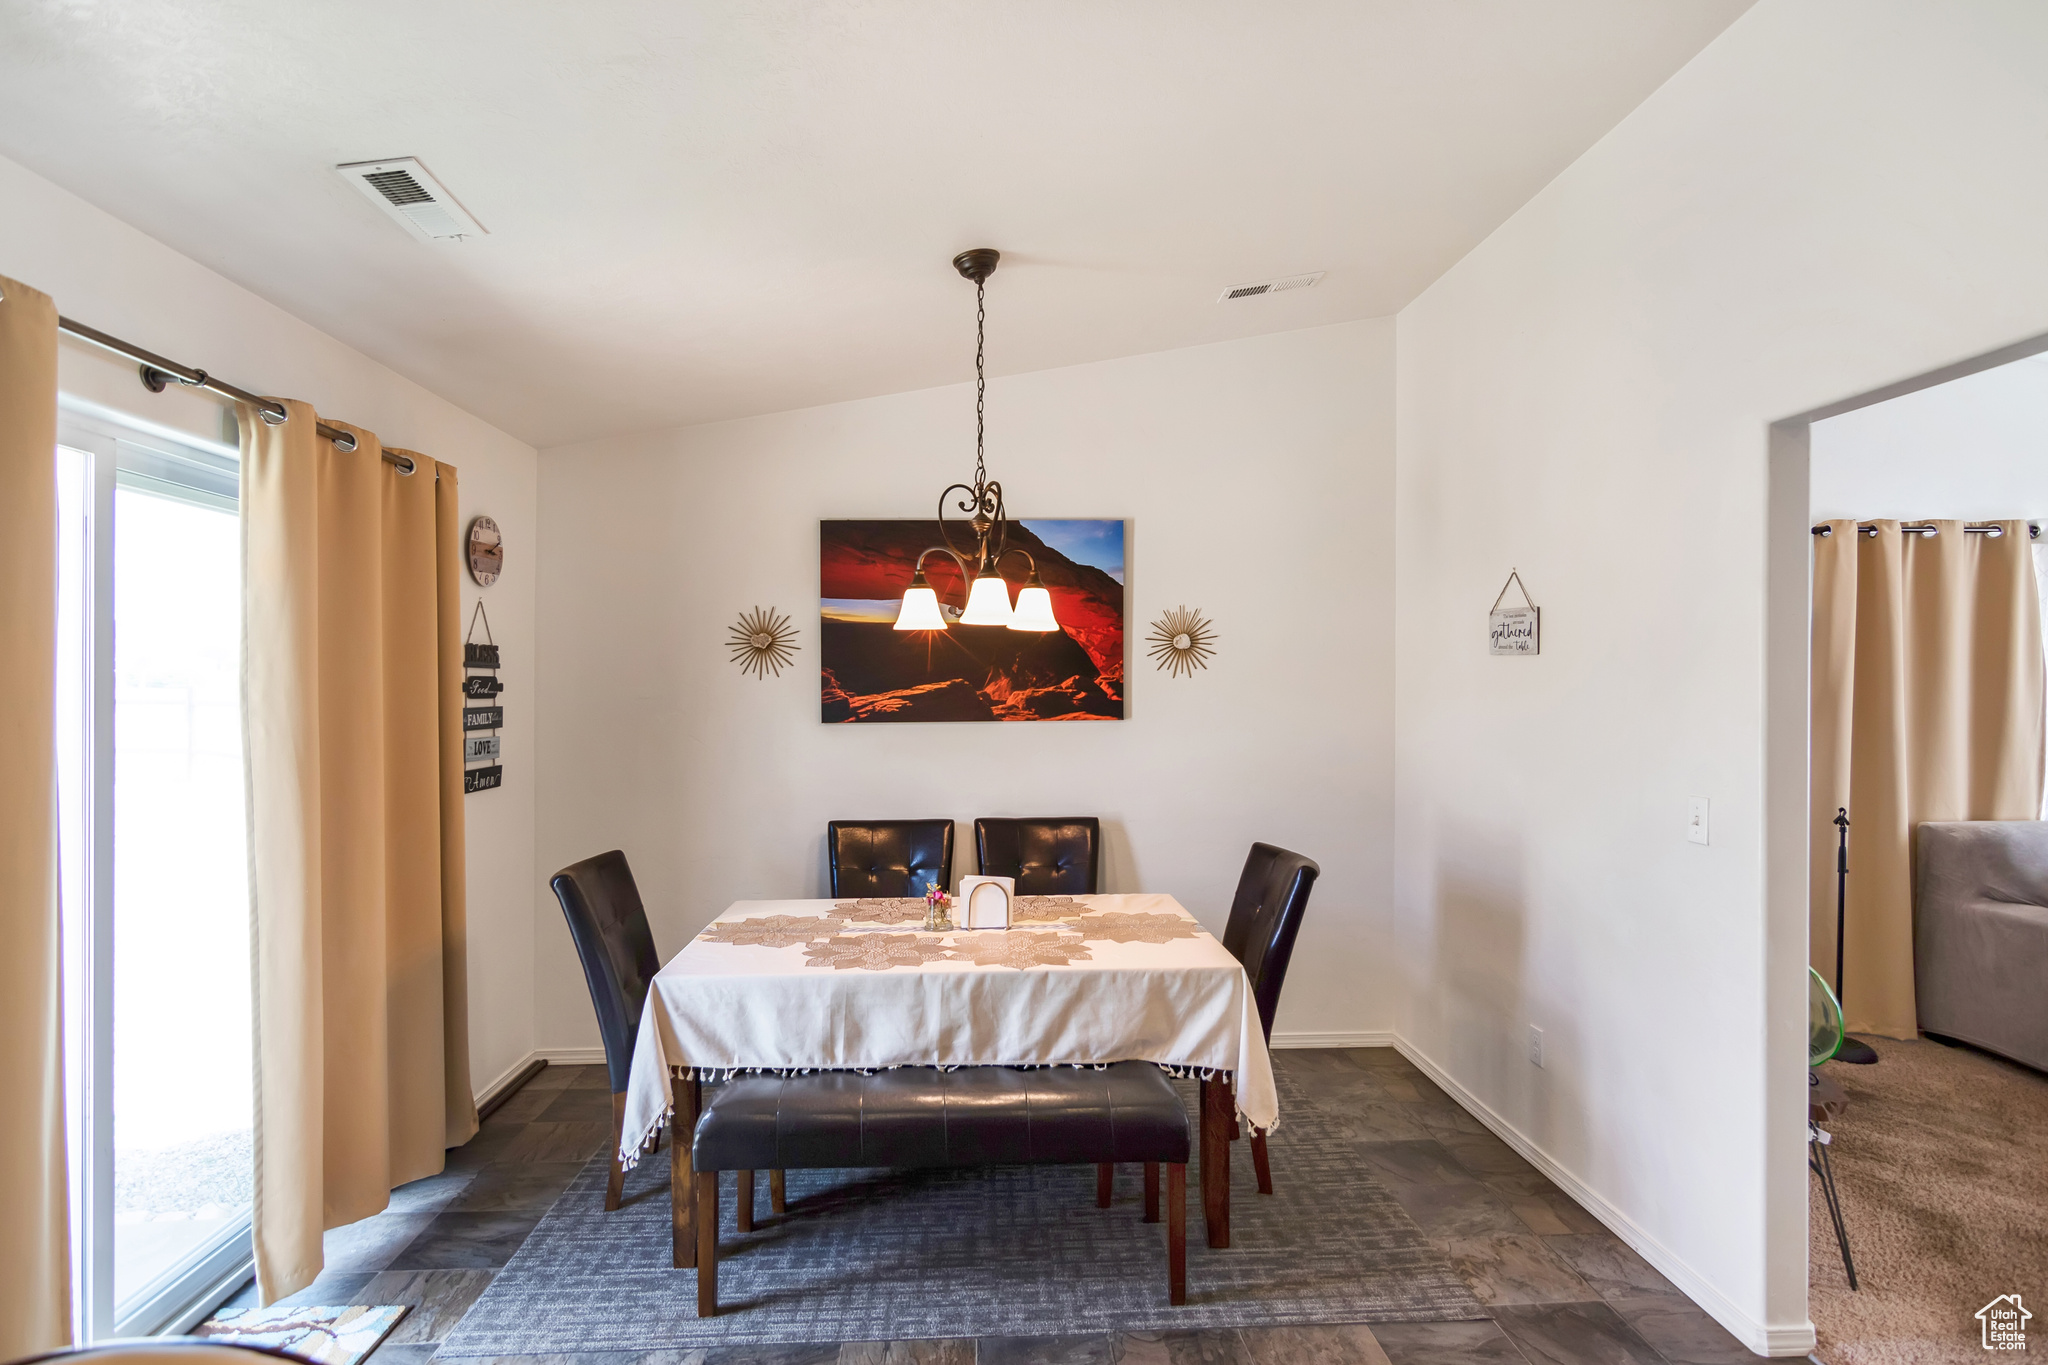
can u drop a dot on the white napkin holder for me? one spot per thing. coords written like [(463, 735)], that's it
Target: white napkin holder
[(985, 902)]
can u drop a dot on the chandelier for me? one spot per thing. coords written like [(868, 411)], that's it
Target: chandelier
[(988, 595)]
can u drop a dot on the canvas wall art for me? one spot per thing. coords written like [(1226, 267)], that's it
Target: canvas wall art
[(872, 672)]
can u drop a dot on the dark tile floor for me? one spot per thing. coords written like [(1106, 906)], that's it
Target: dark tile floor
[(1561, 1289)]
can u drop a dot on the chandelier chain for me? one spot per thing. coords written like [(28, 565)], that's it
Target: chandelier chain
[(980, 380)]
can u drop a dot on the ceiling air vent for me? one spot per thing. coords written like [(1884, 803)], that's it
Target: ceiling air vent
[(1279, 286), (406, 190)]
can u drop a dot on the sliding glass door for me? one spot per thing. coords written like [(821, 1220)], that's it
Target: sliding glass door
[(154, 874)]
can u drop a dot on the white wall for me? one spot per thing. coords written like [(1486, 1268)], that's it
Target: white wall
[(1975, 448), (1824, 201), (1256, 479), (108, 275)]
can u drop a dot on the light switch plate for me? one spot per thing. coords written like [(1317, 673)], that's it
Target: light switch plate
[(1696, 820)]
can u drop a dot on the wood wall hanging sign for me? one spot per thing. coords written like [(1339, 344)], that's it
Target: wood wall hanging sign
[(1514, 630), (480, 684), (762, 639), (1181, 641), (486, 551)]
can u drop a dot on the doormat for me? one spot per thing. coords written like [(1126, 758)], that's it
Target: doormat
[(326, 1336)]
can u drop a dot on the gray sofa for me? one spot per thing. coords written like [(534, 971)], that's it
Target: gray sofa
[(1980, 935)]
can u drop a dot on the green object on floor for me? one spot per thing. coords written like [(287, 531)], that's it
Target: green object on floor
[(1823, 1020)]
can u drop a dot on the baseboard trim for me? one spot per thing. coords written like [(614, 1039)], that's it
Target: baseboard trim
[(506, 1087), (515, 1075), (508, 1080), (1759, 1337), (1355, 1038)]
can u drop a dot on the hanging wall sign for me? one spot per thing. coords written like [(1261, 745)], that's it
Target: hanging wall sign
[(481, 684), (486, 551), (1514, 630)]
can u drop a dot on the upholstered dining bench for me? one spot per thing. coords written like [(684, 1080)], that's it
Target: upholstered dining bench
[(918, 1116)]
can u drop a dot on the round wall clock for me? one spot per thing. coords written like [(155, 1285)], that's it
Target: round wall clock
[(486, 551)]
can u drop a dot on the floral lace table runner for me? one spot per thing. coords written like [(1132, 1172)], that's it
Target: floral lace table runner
[(875, 935)]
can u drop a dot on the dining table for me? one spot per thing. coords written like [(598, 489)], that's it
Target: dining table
[(861, 984)]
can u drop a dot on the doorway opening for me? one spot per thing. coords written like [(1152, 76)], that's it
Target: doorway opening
[(1938, 1148)]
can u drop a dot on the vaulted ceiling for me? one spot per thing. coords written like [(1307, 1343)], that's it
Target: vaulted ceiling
[(699, 211)]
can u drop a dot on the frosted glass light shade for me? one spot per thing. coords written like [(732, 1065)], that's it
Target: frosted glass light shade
[(920, 610), (1034, 608), (988, 602)]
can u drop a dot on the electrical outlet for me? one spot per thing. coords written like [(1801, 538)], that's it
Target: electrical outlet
[(1535, 1046), (1696, 820)]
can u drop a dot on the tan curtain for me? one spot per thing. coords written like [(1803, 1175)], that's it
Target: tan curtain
[(353, 665), (35, 1280), (1927, 705)]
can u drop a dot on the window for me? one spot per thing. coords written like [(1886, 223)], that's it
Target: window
[(153, 871)]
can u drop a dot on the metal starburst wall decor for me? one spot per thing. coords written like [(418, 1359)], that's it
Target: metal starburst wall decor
[(762, 640), (1182, 641)]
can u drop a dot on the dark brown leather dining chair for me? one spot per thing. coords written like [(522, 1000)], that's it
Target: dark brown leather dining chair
[(609, 926), (889, 858), (1265, 917), (1048, 855)]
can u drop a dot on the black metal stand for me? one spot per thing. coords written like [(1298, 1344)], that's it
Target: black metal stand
[(1822, 1166), (1853, 1051)]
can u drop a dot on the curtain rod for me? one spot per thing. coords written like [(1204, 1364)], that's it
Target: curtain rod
[(158, 373), (1925, 529)]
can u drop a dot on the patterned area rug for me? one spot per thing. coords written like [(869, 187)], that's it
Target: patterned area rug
[(1011, 1251)]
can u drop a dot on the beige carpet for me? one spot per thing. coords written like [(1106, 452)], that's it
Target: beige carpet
[(1942, 1159)]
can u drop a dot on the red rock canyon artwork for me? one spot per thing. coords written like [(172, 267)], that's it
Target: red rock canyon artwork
[(873, 672)]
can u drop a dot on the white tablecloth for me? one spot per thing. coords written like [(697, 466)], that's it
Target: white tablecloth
[(848, 985)]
